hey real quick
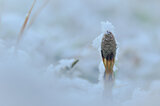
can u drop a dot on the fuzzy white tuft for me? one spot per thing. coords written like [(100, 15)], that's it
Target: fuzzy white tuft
[(107, 27)]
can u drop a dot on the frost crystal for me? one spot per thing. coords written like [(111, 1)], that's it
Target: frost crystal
[(107, 27)]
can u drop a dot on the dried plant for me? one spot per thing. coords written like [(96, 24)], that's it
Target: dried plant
[(37, 13), (25, 22), (108, 52), (107, 47)]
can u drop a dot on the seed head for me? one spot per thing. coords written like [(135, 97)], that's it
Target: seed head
[(108, 52), (108, 46)]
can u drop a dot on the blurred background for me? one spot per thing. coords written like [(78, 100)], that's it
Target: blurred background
[(65, 29)]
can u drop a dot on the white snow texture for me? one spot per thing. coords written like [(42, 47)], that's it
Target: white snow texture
[(39, 72)]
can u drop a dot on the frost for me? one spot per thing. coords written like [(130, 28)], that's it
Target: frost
[(67, 62), (97, 42), (107, 27), (63, 68)]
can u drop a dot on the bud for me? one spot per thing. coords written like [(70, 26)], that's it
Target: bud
[(108, 52)]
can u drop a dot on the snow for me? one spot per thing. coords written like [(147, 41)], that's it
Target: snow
[(38, 72), (97, 42)]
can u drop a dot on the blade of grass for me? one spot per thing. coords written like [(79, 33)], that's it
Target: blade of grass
[(25, 22), (37, 13), (75, 62)]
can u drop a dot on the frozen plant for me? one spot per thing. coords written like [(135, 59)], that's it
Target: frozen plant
[(107, 46), (64, 67)]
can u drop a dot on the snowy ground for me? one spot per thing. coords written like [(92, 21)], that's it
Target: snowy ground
[(39, 71)]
